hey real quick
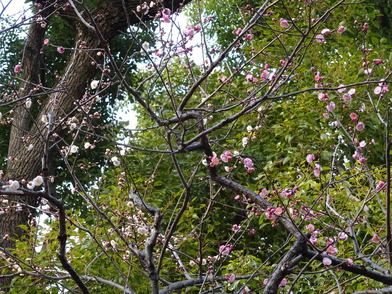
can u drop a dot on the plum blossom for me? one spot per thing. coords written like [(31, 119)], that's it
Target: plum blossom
[(245, 141), (38, 181), (249, 78), (237, 31), (225, 249), (248, 37), (284, 23), (341, 29), (342, 236), (332, 250), (351, 91), (376, 239), (214, 161), (327, 261), (230, 277), (331, 106), (357, 155), (360, 126), (353, 116), (362, 144), (12, 186), (310, 227), (60, 50), (310, 158), (341, 90), (350, 262), (320, 38), (325, 31), (347, 97), (115, 161), (17, 68), (30, 185), (46, 41), (380, 185), (367, 71), (166, 15), (283, 282), (94, 84), (236, 228), (226, 156), (28, 103), (248, 164), (189, 32), (378, 61), (73, 149), (377, 90), (317, 170)]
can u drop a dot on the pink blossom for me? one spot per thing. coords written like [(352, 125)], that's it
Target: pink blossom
[(332, 250), (46, 41), (60, 50), (226, 156), (346, 97), (237, 31), (341, 29), (356, 155), (331, 106), (237, 197), (353, 116), (317, 77), (230, 277), (350, 262), (367, 71), (360, 126), (376, 239), (341, 90), (313, 240), (189, 32), (351, 91), (342, 236), (214, 161), (325, 115), (380, 185), (166, 15), (327, 261), (249, 78), (320, 38), (197, 27), (265, 282), (362, 160), (236, 228), (323, 96), (362, 144), (264, 74), (248, 37), (378, 61), (17, 68), (310, 228), (325, 31), (283, 282), (248, 163), (278, 210), (310, 158), (225, 249), (317, 170), (377, 90), (284, 23)]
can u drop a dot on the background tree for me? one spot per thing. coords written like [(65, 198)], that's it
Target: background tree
[(260, 162)]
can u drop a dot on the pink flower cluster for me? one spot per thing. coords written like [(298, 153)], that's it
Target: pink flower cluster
[(225, 249), (248, 164)]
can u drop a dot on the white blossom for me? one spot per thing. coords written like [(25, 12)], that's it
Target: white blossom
[(73, 149), (30, 185), (87, 145), (115, 161), (13, 186), (28, 103), (38, 181), (94, 84)]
